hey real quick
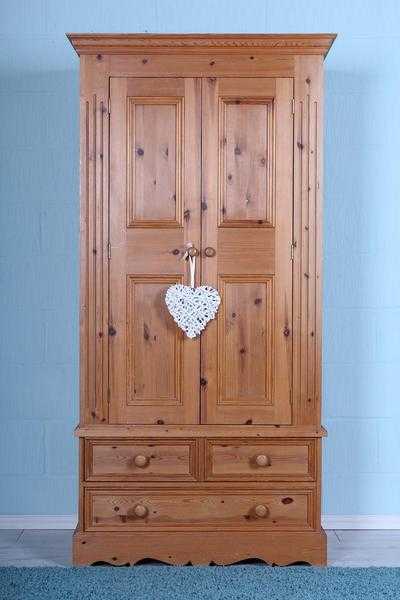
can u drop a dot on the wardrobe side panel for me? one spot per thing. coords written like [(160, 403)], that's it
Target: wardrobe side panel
[(308, 124), (93, 309)]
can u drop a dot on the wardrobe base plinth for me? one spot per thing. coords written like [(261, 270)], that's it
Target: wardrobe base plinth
[(199, 548)]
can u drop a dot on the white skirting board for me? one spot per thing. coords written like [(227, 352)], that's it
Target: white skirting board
[(361, 521), (328, 521)]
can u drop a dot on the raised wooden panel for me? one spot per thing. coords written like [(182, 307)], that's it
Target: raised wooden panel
[(245, 331), (142, 460), (154, 155), (253, 459), (152, 340), (118, 509), (246, 161)]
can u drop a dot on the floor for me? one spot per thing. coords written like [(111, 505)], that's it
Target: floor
[(52, 547)]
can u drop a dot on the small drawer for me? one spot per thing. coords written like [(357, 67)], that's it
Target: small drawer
[(141, 460), (248, 459), (121, 510)]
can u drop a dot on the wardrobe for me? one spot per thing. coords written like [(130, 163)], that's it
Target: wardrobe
[(203, 450)]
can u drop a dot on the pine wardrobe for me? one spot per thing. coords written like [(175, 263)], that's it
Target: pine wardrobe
[(203, 450)]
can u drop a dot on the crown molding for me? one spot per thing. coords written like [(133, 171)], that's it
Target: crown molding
[(135, 43)]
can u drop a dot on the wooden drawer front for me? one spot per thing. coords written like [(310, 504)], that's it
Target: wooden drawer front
[(254, 459), (118, 509), (142, 460)]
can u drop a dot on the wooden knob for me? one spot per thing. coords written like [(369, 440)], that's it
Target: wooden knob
[(262, 460), (141, 461), (261, 511), (210, 252), (193, 251), (140, 511)]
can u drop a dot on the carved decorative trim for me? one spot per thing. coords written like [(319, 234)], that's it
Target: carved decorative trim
[(204, 547), (130, 43)]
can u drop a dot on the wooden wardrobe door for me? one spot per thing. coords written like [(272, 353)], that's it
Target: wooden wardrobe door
[(155, 153), (247, 219)]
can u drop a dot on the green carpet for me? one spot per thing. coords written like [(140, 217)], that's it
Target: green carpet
[(199, 583)]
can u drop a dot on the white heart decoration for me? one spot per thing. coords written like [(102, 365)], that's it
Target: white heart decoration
[(192, 308)]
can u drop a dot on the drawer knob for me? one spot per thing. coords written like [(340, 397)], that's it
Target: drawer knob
[(141, 461), (141, 511), (262, 460), (261, 511)]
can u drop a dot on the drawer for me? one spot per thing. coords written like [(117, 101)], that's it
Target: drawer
[(121, 509), (249, 459), (141, 460)]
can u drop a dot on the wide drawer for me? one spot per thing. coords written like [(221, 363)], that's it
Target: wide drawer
[(141, 460), (126, 510), (248, 459)]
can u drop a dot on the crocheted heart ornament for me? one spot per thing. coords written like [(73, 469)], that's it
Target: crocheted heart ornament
[(192, 308)]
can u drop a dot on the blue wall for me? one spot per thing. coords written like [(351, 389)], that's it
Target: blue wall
[(39, 235)]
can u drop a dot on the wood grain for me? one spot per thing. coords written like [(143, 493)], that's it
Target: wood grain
[(204, 430), (246, 161), (237, 459), (308, 236), (245, 342), (145, 334), (154, 161), (115, 509), (246, 348), (93, 241), (201, 145), (201, 548), (279, 44), (168, 460)]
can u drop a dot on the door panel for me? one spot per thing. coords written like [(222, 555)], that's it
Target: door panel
[(245, 341), (151, 339), (155, 140), (246, 186), (247, 217), (153, 162)]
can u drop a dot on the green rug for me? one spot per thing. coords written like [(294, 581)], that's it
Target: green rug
[(199, 583)]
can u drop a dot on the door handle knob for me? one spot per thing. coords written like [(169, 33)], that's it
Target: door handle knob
[(141, 511), (209, 252), (192, 251)]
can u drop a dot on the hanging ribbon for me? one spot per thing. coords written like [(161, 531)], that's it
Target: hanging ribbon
[(192, 266)]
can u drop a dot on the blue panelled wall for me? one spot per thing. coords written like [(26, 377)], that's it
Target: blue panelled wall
[(39, 236)]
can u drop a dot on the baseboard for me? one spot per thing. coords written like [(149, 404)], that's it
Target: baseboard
[(38, 521), (361, 521), (328, 521)]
